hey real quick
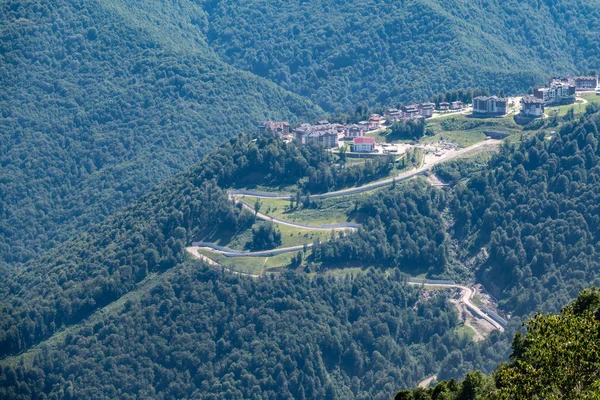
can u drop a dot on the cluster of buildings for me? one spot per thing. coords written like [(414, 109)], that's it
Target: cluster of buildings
[(563, 90), (416, 111), (328, 134), (559, 91)]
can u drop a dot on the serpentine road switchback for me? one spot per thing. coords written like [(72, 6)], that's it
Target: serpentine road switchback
[(466, 292)]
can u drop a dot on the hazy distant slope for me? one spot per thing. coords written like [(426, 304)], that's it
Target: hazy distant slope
[(100, 100), (341, 53)]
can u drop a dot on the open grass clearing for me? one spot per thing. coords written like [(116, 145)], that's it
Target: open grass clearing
[(324, 211), (465, 130), (246, 265), (290, 236), (578, 107), (251, 265), (466, 330)]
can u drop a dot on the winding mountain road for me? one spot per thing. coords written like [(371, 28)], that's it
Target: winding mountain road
[(193, 250), (465, 298), (466, 292), (227, 252), (374, 185)]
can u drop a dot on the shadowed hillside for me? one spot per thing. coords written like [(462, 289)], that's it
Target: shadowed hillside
[(102, 100), (345, 52)]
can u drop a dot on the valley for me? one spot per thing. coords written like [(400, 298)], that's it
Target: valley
[(359, 199)]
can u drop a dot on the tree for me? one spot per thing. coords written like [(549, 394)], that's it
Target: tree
[(257, 206), (265, 236), (559, 357)]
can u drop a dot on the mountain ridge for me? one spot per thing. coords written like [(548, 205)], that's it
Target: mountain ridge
[(96, 111)]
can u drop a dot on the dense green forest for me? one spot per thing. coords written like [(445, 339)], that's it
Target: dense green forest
[(403, 228), (102, 100), (343, 53), (105, 105), (119, 288), (535, 210), (65, 285), (63, 288), (199, 333), (557, 358)]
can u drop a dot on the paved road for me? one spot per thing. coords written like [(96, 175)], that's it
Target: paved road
[(347, 226), (467, 293), (194, 252), (374, 185), (227, 252), (465, 298)]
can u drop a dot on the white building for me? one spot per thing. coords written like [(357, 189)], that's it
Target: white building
[(490, 106), (354, 131), (532, 107), (363, 145), (561, 91), (322, 133)]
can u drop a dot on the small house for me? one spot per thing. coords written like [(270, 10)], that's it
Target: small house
[(456, 105), (444, 106), (426, 109), (411, 112), (375, 121)]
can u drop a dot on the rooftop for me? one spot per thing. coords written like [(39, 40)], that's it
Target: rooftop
[(364, 140), (531, 100)]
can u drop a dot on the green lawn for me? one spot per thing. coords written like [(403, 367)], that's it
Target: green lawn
[(467, 131), (379, 135), (290, 236), (295, 237), (578, 108), (251, 265), (466, 330), (463, 134), (461, 138), (329, 211)]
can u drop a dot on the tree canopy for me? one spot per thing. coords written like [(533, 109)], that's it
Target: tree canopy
[(557, 358)]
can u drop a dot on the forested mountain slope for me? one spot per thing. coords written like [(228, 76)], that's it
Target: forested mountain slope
[(557, 358), (343, 53), (536, 211), (189, 331), (550, 185), (203, 334), (65, 285), (101, 100)]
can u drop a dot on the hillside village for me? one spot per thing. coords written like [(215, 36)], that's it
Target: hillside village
[(560, 91)]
